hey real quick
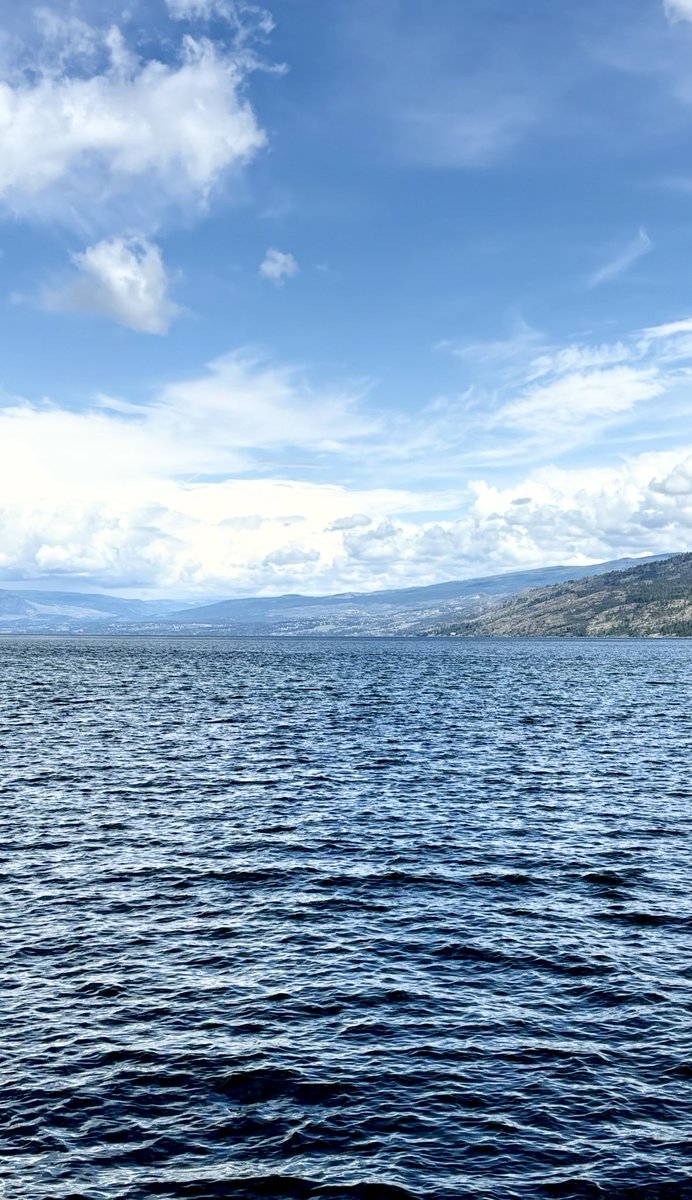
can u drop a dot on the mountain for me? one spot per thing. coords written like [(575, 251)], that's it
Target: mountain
[(26, 609), (404, 611), (653, 599), (399, 611)]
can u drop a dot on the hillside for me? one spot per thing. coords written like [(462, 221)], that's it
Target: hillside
[(403, 611), (398, 611), (650, 600)]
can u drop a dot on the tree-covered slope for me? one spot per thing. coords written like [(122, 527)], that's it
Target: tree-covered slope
[(652, 600)]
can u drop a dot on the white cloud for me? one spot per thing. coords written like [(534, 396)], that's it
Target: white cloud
[(123, 278), (204, 10), (634, 250), (278, 266), (525, 400), (291, 556), (238, 415), (578, 358), (356, 521), (522, 341), (678, 10), (672, 329), (162, 495), (579, 398), (67, 39), (129, 132), (232, 538), (150, 495), (243, 15)]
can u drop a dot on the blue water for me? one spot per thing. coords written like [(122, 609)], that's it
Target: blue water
[(369, 919)]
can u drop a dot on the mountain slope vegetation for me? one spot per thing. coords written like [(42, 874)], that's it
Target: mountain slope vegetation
[(650, 600)]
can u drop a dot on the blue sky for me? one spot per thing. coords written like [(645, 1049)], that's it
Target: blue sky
[(338, 294)]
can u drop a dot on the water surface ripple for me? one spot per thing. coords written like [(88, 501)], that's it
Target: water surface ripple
[(373, 919)]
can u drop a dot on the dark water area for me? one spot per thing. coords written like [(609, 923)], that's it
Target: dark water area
[(370, 919)]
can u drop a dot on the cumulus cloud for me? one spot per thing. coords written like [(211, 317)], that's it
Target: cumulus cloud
[(121, 278), (291, 556), (79, 137), (231, 537), (356, 521), (278, 266)]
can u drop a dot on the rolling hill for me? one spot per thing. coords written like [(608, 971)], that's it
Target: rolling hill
[(399, 611)]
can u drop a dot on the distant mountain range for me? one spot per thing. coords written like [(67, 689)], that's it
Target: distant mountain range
[(22, 608), (412, 610), (653, 599)]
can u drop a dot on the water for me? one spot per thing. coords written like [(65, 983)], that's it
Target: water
[(335, 919)]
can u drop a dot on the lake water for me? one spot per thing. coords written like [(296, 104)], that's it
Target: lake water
[(332, 918)]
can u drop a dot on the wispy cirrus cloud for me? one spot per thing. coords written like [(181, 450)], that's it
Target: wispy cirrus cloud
[(441, 93), (247, 19), (621, 262), (524, 399)]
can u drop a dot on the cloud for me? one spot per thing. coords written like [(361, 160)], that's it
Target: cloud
[(636, 249), (157, 495), (198, 490), (578, 398), (122, 278), (671, 329), (237, 415), (278, 266), (118, 132), (245, 17), (205, 10), (356, 521), (463, 126), (578, 358), (678, 10), (527, 400), (230, 538), (447, 94), (291, 556), (524, 339)]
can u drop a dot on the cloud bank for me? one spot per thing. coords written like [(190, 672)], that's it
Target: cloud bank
[(160, 496)]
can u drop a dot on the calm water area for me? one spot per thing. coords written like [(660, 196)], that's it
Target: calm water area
[(338, 918)]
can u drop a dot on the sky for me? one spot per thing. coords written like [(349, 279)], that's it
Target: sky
[(337, 295)]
